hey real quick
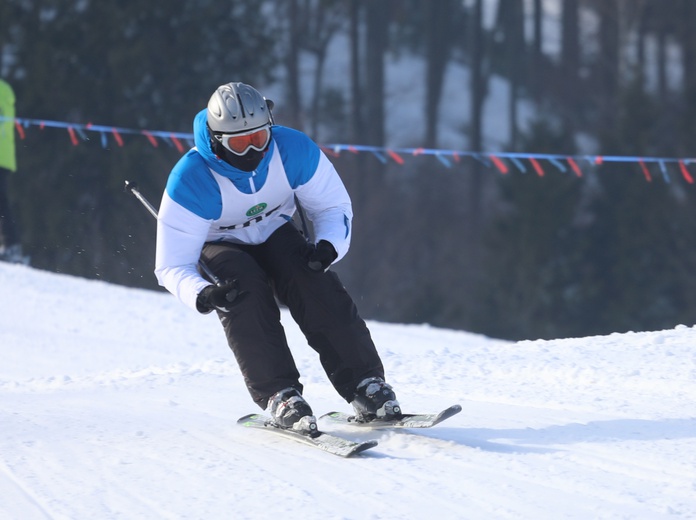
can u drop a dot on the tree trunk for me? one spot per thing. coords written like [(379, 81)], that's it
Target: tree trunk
[(570, 65), (608, 70), (640, 46), (688, 44), (294, 102), (438, 14), (477, 90), (478, 95), (662, 87), (537, 61), (377, 29), (316, 98), (355, 76), (515, 54)]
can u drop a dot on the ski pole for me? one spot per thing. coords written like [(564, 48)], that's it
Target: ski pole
[(132, 188)]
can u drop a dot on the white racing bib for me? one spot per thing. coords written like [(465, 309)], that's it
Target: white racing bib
[(252, 217)]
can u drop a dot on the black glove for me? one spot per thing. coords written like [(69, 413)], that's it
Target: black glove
[(321, 257), (218, 297)]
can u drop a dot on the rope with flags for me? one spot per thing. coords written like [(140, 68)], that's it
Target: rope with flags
[(503, 162)]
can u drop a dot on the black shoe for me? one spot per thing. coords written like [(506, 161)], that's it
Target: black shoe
[(288, 409), (375, 399)]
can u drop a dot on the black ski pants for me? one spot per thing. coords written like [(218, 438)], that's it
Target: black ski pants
[(318, 302), (8, 226)]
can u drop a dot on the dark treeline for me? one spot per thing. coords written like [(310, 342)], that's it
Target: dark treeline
[(514, 256)]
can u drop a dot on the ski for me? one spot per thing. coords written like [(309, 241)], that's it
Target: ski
[(407, 420), (318, 439)]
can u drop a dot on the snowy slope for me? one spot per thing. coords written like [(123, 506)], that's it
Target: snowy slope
[(121, 403)]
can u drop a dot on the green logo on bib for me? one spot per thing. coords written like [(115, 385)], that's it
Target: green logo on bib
[(255, 210)]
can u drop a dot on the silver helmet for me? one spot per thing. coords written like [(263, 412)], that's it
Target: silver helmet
[(237, 107)]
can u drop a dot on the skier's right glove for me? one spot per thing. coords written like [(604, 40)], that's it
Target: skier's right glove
[(321, 256), (218, 297)]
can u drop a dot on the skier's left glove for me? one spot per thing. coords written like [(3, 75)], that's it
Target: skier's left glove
[(218, 297), (321, 257)]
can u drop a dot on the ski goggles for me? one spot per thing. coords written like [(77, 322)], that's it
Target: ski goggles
[(240, 143)]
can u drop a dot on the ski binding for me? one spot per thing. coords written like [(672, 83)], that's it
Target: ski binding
[(324, 441), (406, 420)]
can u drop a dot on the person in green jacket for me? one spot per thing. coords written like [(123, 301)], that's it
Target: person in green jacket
[(11, 248)]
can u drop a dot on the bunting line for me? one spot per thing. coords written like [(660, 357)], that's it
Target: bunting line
[(503, 162)]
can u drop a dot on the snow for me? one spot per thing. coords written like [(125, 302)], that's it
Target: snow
[(121, 403)]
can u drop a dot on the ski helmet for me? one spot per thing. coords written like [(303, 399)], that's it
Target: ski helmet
[(237, 107)]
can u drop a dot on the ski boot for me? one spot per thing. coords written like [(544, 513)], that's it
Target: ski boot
[(375, 399), (289, 410)]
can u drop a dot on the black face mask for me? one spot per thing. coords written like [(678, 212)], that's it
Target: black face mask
[(247, 162)]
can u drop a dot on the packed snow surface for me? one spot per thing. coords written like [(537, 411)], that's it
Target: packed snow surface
[(122, 403)]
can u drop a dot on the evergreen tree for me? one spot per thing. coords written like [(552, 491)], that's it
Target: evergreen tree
[(533, 279), (125, 65)]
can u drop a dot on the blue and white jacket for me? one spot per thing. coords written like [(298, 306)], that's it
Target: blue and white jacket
[(207, 200)]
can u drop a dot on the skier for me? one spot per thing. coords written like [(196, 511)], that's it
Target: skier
[(11, 246), (230, 201)]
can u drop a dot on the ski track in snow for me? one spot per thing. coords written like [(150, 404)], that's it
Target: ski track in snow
[(121, 403)]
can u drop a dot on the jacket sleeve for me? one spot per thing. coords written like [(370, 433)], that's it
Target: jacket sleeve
[(180, 238), (327, 204)]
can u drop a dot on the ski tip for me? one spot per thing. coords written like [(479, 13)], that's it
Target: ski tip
[(449, 412), (330, 414), (246, 418), (363, 446)]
